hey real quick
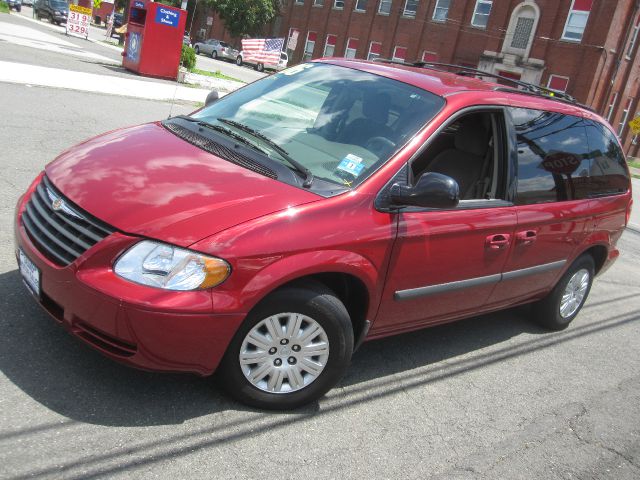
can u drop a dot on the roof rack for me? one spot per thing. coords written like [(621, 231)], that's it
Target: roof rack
[(523, 87)]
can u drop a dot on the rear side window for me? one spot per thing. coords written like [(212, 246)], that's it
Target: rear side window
[(608, 172), (553, 163)]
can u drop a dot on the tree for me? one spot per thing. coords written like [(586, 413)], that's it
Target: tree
[(245, 17)]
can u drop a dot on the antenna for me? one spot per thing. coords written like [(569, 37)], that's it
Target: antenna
[(175, 92)]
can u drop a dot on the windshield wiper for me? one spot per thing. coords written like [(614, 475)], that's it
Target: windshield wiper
[(219, 128), (308, 176)]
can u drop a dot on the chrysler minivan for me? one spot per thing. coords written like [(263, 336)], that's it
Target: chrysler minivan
[(270, 233)]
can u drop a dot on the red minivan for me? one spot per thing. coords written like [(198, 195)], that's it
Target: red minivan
[(270, 233)]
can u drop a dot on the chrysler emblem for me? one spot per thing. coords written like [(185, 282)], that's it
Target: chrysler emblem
[(57, 204)]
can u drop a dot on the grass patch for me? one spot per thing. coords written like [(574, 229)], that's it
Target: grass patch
[(635, 176), (633, 163), (215, 75), (112, 44), (4, 8)]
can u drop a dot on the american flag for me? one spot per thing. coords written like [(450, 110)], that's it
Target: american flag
[(263, 50)]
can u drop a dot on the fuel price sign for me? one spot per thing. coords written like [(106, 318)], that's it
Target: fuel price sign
[(78, 21)]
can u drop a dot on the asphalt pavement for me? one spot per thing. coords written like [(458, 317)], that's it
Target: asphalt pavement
[(491, 397)]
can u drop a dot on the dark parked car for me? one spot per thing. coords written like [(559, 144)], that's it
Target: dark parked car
[(271, 232), (15, 4), (55, 11), (118, 18)]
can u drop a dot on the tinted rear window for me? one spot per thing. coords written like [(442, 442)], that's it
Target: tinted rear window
[(609, 174), (553, 163)]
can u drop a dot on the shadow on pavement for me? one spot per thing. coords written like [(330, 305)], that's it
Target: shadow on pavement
[(66, 376)]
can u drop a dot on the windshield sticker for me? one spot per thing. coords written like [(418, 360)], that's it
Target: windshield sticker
[(296, 69), (351, 164)]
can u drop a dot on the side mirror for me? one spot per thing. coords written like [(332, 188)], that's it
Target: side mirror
[(433, 190), (211, 98)]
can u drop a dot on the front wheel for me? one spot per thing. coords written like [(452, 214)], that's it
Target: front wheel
[(558, 309), (260, 67), (292, 348), (239, 60), (197, 49)]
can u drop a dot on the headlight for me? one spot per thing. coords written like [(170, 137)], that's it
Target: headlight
[(57, 13), (165, 266)]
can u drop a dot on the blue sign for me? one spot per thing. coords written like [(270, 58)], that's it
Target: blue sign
[(167, 17), (138, 4), (133, 46)]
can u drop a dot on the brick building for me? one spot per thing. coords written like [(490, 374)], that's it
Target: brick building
[(587, 48)]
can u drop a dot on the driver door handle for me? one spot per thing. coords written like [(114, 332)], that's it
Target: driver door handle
[(498, 241)]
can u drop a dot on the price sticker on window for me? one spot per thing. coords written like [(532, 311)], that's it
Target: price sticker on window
[(78, 21)]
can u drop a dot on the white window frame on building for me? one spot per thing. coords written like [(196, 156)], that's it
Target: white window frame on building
[(634, 39), (360, 6), (308, 52), (577, 20), (338, 4), (397, 49), (441, 10), (625, 117), (330, 48), (427, 53), (387, 4), (318, 3), (298, 2), (552, 77), (410, 13), (370, 54), (477, 14), (612, 105), (348, 49), (522, 29)]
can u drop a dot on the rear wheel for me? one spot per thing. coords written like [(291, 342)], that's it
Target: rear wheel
[(260, 67), (558, 309), (214, 54), (293, 347)]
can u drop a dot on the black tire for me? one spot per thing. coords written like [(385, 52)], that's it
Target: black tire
[(197, 49), (546, 312), (315, 301), (260, 67), (239, 61), (214, 54)]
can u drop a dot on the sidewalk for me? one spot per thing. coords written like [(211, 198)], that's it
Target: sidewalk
[(90, 82)]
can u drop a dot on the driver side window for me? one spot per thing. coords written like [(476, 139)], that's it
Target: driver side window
[(471, 150)]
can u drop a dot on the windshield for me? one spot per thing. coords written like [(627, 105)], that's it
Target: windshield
[(339, 123), (59, 5)]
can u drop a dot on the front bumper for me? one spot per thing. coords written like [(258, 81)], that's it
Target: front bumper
[(144, 327)]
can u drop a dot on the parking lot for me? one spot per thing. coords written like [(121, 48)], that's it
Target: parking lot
[(488, 397)]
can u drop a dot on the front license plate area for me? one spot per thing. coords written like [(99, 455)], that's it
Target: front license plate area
[(30, 273)]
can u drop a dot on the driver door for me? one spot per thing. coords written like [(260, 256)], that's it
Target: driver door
[(446, 263)]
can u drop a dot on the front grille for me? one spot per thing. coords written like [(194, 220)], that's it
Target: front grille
[(219, 150), (60, 230)]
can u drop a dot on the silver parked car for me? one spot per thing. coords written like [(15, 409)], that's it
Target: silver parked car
[(216, 48)]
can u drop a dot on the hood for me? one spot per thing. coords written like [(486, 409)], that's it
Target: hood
[(146, 181)]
